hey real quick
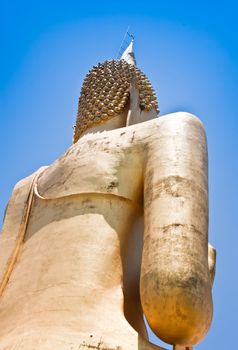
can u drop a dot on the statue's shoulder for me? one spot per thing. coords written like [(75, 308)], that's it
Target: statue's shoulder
[(181, 118), (167, 125), (174, 119)]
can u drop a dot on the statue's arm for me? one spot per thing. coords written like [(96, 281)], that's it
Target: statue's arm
[(14, 225), (175, 281)]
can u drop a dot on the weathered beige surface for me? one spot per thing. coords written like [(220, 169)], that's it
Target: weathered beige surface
[(15, 223), (75, 284), (175, 279)]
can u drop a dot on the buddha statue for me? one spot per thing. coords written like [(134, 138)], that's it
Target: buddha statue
[(114, 230)]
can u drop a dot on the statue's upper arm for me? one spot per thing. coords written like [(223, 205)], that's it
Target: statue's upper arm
[(13, 226)]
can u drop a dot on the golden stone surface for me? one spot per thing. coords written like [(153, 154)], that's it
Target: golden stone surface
[(114, 229), (77, 260)]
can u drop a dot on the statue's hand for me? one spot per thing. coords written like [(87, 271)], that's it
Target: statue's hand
[(212, 261)]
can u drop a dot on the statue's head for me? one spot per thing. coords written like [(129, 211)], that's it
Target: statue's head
[(111, 92)]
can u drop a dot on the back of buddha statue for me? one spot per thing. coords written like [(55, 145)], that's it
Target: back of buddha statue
[(72, 274)]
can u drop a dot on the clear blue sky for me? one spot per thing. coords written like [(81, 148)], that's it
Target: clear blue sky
[(188, 49)]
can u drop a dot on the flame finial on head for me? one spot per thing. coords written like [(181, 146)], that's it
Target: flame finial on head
[(128, 55)]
